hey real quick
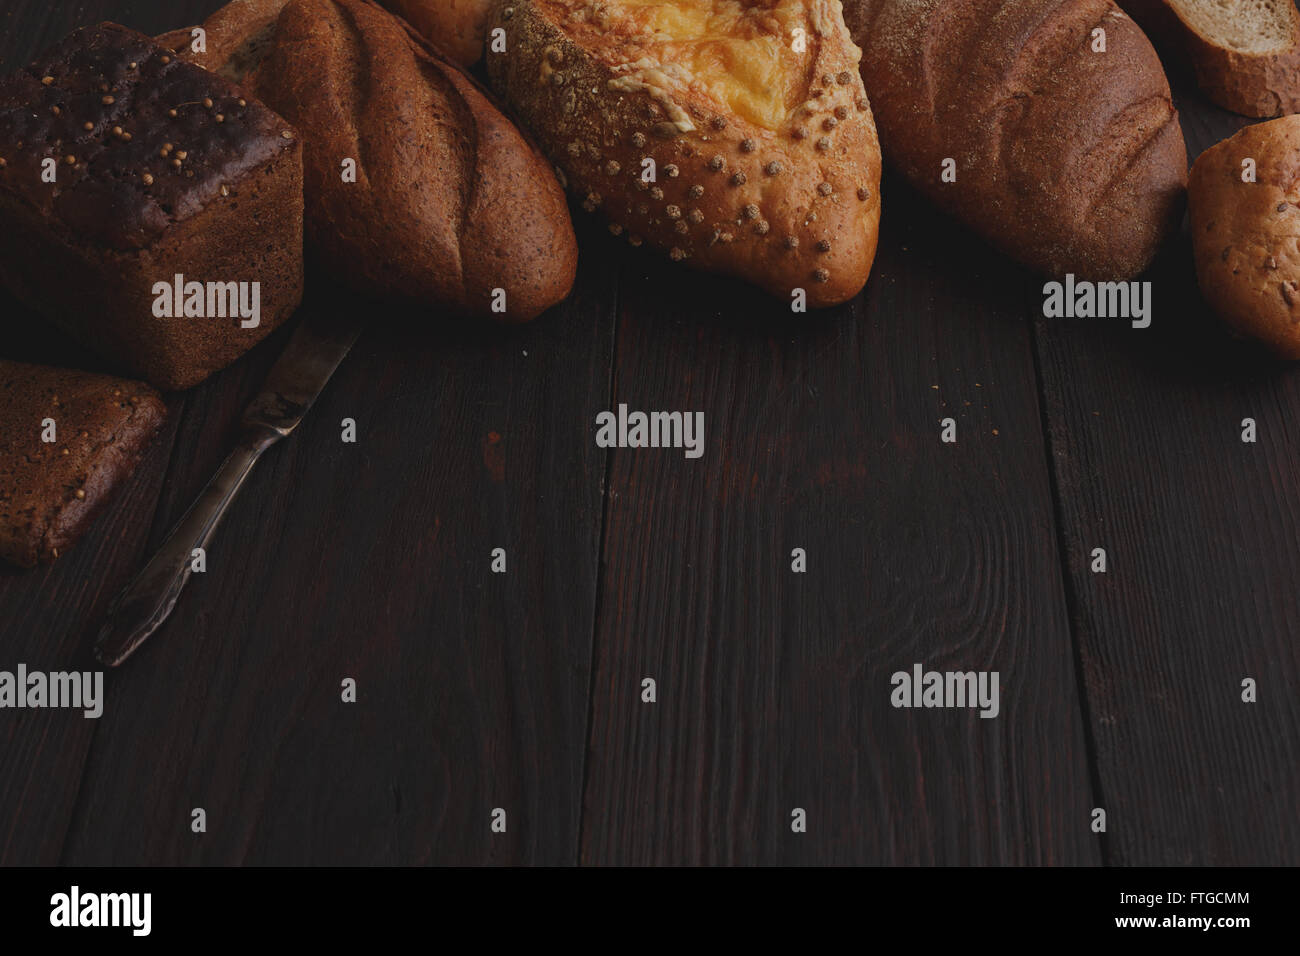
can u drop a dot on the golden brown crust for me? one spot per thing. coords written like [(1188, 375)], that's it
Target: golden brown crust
[(1244, 233), (1067, 159), (454, 26), (779, 188), (51, 491)]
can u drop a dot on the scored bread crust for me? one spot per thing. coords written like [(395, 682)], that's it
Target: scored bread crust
[(1068, 160), (495, 216), (1244, 233), (1252, 84), (451, 202), (454, 26), (792, 204)]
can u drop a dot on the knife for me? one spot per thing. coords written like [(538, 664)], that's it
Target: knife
[(318, 345)]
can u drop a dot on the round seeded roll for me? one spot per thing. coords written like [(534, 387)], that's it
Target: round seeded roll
[(1244, 233), (736, 138)]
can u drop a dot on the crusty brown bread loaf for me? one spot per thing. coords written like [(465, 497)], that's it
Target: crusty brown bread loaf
[(1244, 232), (51, 491), (236, 38), (158, 169), (454, 26), (735, 137), (1068, 159), (450, 201), (1245, 53)]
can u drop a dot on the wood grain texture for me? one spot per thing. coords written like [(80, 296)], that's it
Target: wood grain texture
[(522, 691), (367, 561), (823, 434), (371, 561), (1202, 534)]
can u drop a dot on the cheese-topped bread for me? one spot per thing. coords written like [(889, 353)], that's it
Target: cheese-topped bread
[(734, 136)]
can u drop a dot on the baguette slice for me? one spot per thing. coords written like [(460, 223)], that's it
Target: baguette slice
[(450, 202), (1243, 233), (1245, 53), (735, 137), (1067, 158), (50, 492)]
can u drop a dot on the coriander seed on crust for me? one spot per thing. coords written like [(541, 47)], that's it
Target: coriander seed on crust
[(117, 227)]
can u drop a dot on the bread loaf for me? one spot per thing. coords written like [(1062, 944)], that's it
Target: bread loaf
[(1244, 232), (454, 26), (121, 169), (1246, 53), (1067, 158), (235, 38), (734, 136), (450, 201), (50, 491)]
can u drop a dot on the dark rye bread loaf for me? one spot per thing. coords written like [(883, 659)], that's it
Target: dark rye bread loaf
[(162, 169), (1067, 159), (451, 202), (51, 491)]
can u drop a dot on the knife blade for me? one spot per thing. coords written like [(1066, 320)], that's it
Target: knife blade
[(318, 345)]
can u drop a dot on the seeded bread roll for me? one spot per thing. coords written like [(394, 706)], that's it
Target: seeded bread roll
[(450, 201), (1244, 233), (455, 26), (51, 491), (160, 169), (1067, 158), (735, 137), (1246, 53)]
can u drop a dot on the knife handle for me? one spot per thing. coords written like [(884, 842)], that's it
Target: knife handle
[(145, 603)]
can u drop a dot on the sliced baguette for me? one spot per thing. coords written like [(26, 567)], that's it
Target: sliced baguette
[(750, 117), (1245, 53)]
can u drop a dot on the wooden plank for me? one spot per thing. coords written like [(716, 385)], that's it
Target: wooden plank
[(774, 687), (371, 561), (1201, 533)]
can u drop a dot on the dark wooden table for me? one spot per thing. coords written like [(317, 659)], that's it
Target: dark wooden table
[(522, 690)]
